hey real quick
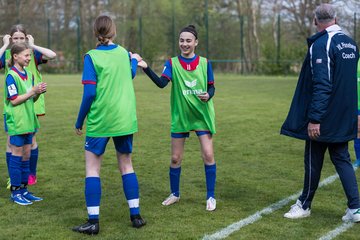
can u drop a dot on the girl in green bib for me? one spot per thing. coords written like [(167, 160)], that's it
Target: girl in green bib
[(191, 110), (21, 120), (109, 106), (39, 55)]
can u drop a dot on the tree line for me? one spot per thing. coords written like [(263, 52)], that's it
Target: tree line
[(247, 36)]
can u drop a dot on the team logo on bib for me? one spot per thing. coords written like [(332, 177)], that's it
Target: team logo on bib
[(190, 84)]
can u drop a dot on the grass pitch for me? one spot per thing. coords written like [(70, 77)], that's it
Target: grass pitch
[(256, 167)]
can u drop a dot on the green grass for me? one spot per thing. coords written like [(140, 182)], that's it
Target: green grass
[(256, 167)]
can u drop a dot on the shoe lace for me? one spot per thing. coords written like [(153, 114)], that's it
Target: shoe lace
[(170, 197), (295, 208)]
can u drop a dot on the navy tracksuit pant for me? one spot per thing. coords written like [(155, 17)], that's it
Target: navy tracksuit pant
[(340, 157)]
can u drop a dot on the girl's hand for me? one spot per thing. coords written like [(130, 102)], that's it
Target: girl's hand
[(203, 97), (142, 64), (6, 40), (31, 40), (78, 131), (136, 56), (40, 88)]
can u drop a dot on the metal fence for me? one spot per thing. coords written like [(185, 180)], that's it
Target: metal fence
[(142, 34)]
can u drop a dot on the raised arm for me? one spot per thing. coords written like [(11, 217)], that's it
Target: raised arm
[(134, 59), (47, 53), (161, 82), (6, 41)]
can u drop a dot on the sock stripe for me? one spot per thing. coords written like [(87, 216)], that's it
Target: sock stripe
[(133, 203), (93, 210)]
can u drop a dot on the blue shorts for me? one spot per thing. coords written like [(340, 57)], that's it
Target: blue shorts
[(21, 140), (187, 134), (97, 145)]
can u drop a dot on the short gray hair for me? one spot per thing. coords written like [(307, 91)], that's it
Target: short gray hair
[(325, 13)]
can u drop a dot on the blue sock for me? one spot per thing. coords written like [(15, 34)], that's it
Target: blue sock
[(15, 167), (131, 190), (8, 156), (174, 174), (93, 196), (25, 170), (357, 148), (210, 174), (33, 160)]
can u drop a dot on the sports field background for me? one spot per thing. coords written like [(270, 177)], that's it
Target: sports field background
[(256, 167)]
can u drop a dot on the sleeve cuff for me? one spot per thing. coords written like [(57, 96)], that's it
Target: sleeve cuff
[(314, 121)]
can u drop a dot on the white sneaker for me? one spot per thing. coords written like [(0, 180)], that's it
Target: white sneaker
[(211, 204), (171, 199), (296, 211), (352, 215)]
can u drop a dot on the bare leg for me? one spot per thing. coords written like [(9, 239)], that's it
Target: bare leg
[(207, 153)]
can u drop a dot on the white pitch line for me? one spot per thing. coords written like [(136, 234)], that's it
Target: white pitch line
[(337, 231), (225, 232)]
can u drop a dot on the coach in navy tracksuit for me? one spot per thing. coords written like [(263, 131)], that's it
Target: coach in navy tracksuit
[(323, 111)]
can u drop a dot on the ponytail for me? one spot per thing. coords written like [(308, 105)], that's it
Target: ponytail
[(104, 29)]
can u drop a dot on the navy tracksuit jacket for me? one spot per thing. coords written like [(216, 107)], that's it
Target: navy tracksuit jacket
[(326, 93)]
